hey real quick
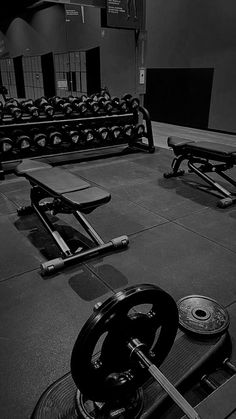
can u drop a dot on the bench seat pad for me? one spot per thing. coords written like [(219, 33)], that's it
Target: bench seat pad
[(178, 142), (28, 165), (182, 145), (73, 190), (57, 180), (87, 198), (201, 146), (225, 150)]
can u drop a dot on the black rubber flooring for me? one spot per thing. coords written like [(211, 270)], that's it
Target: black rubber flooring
[(179, 240)]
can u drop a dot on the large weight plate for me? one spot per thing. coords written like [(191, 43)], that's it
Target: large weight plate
[(202, 315), (106, 371)]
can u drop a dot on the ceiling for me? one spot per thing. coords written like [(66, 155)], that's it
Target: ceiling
[(11, 8)]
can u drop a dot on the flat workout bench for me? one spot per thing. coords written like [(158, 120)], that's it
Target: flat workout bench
[(69, 194), (205, 157)]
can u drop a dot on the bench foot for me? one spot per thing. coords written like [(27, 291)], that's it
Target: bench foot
[(51, 266), (27, 210), (120, 242), (168, 175), (54, 265), (226, 202)]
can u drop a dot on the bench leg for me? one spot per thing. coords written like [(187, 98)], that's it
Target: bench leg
[(2, 176), (51, 229), (68, 257), (175, 168), (87, 226), (228, 199), (47, 268)]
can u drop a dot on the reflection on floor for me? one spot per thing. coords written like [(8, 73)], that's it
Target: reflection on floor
[(162, 131)]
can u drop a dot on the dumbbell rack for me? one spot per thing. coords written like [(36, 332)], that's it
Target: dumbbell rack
[(65, 152)]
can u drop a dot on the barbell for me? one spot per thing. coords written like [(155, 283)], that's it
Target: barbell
[(123, 343)]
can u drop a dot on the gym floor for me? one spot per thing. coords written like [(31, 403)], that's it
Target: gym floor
[(179, 240)]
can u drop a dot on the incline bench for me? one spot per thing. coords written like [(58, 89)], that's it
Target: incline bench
[(69, 194), (205, 157)]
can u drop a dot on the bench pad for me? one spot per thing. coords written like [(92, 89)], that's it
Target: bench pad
[(87, 198), (209, 147), (28, 165), (57, 180), (70, 188)]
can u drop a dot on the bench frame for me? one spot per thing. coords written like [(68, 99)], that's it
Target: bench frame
[(202, 165), (85, 250)]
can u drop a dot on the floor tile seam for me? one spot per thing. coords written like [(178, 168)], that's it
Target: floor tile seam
[(107, 188), (15, 179), (203, 236), (99, 278), (148, 228), (111, 188), (199, 211), (16, 275), (230, 304), (12, 201), (140, 205), (116, 161)]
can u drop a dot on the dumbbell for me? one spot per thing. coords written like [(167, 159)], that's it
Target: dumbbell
[(43, 104), (128, 131), (105, 93), (54, 136), (39, 138), (29, 108), (94, 97), (61, 104), (139, 134), (21, 140), (115, 133), (88, 136), (88, 105), (115, 103), (105, 105), (12, 107), (78, 104), (82, 108), (74, 102), (71, 134), (93, 106), (132, 102), (103, 136), (6, 144), (123, 106), (139, 130), (1, 115)]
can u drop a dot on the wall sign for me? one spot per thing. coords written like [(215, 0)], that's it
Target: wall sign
[(94, 3), (62, 84), (127, 14)]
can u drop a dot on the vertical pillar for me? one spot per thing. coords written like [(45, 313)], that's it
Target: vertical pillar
[(141, 47)]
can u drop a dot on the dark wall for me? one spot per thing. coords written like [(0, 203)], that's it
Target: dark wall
[(118, 60), (180, 96), (197, 34), (56, 29), (83, 31), (36, 33)]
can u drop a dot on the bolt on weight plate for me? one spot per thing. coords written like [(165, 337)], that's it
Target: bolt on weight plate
[(202, 315)]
